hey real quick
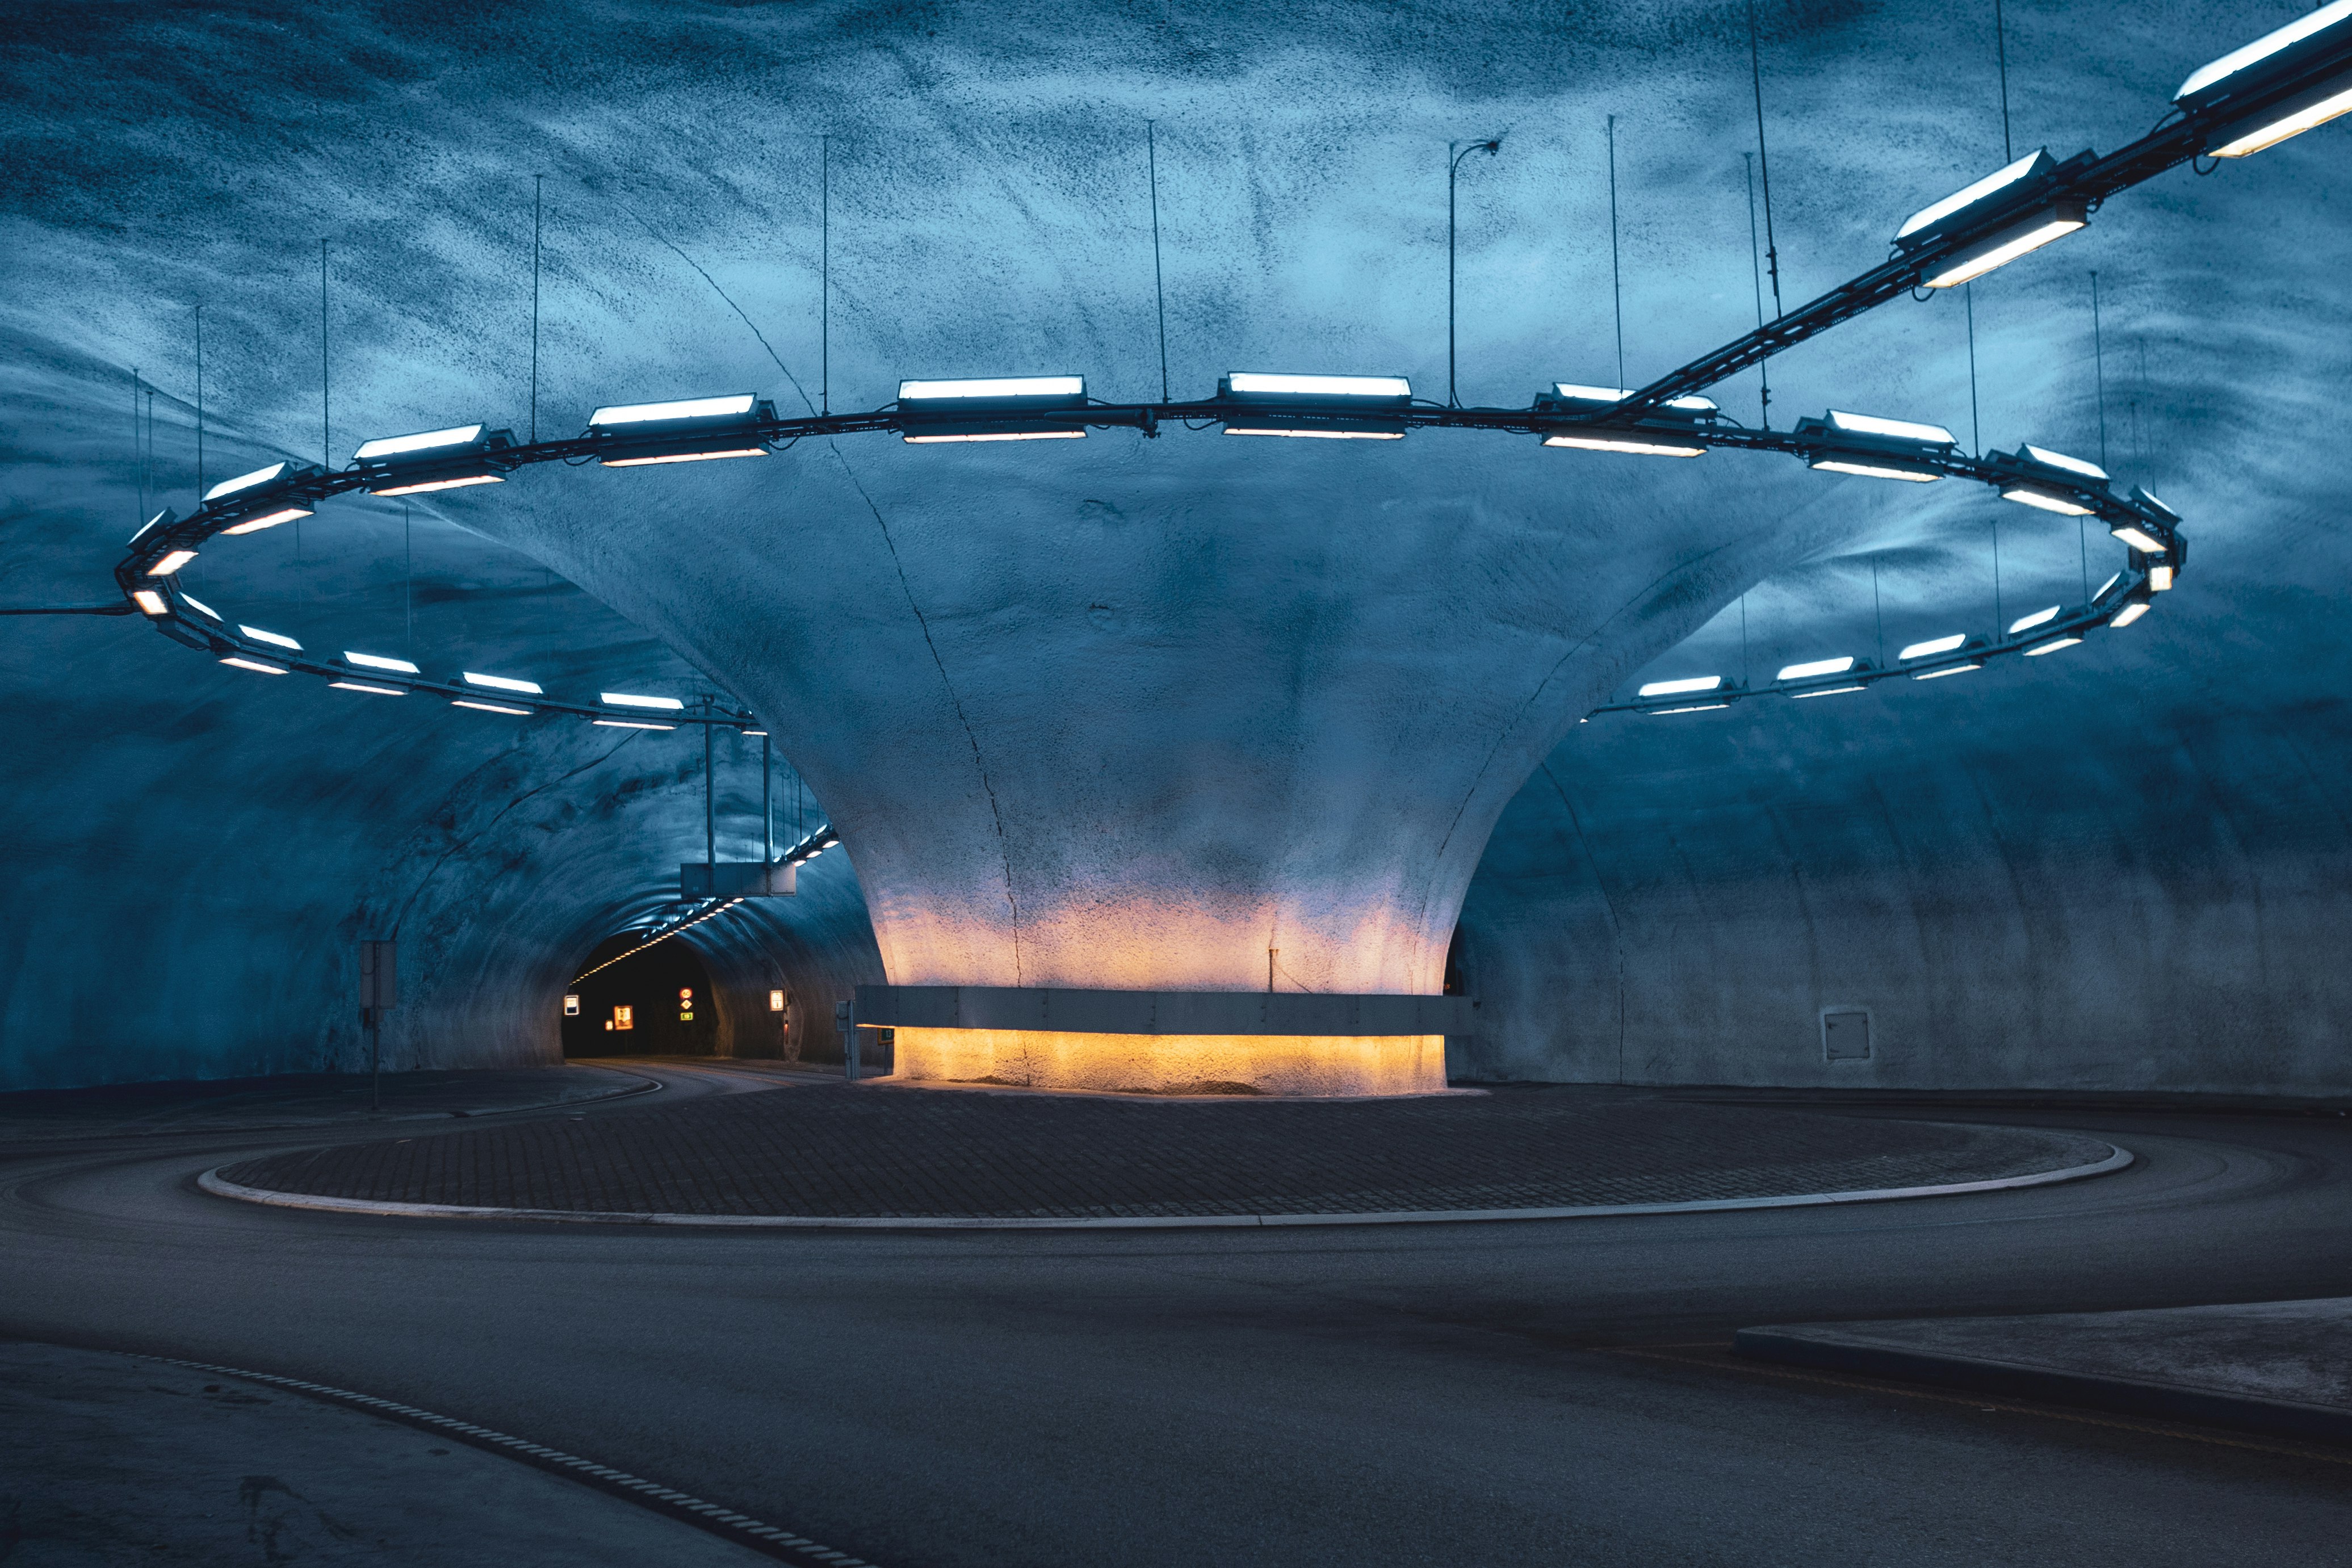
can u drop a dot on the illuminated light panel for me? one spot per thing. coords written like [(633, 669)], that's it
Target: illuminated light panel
[(2049, 458), (1891, 429), (2027, 623), (775, 1001), (2139, 539), (2034, 162), (425, 487), (1694, 708), (1321, 435), (1264, 383), (2042, 500), (2053, 646), (753, 732), (2214, 72), (684, 457), (2059, 224), (379, 661), (2330, 107), (199, 605), (626, 700), (488, 707), (1816, 668), (1829, 691), (149, 602), (1678, 688), (996, 436), (1871, 470), (254, 665), (1171, 1064), (171, 563), (270, 519), (278, 638), (425, 441), (1641, 446), (2159, 578), (147, 527), (504, 683), (364, 685), (628, 724), (731, 407), (1935, 646), (2146, 497), (2105, 585), (996, 388), (245, 482), (1947, 669), (2129, 613)]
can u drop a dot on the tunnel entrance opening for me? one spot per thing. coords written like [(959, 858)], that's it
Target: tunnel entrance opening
[(657, 1003)]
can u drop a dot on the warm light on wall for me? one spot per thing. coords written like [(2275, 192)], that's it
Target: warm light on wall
[(1174, 1063)]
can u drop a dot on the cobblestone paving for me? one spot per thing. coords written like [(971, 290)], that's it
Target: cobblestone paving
[(885, 1152)]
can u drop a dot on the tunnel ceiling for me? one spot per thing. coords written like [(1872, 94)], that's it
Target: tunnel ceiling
[(988, 214)]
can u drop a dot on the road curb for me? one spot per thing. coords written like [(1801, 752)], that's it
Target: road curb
[(1788, 1345), (211, 1181)]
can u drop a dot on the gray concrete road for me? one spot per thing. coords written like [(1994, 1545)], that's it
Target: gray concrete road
[(1432, 1394)]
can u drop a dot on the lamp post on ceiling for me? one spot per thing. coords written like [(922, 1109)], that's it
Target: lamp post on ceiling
[(1453, 173)]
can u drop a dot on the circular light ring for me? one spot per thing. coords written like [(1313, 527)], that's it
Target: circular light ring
[(307, 486)]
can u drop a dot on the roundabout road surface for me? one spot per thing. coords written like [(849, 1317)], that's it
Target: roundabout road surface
[(1421, 1394)]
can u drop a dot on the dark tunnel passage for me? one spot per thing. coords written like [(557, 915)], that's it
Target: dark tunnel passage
[(658, 1001)]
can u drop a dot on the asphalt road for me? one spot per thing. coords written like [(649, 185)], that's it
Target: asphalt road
[(1414, 1395)]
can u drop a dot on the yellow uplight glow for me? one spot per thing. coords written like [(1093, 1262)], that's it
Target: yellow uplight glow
[(1174, 1063)]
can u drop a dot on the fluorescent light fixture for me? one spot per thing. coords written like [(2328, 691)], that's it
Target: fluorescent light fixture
[(279, 638), (1322, 435), (487, 707), (732, 408), (2044, 501), (1947, 669), (2053, 646), (170, 562), (1599, 441), (994, 435), (2049, 458), (625, 700), (1873, 471), (1574, 393), (628, 724), (1816, 668), (1935, 646), (1258, 384), (1694, 708), (700, 456), (149, 602), (2315, 108), (755, 733), (1847, 424), (2027, 623), (245, 482), (364, 685), (149, 526), (270, 519), (2133, 610), (2139, 539), (427, 486), (2105, 587), (379, 661), (2033, 163), (1677, 688), (501, 683), (400, 445), (1827, 691), (2213, 73), (995, 388), (199, 605), (2146, 497), (2159, 578), (254, 665), (2049, 223)]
